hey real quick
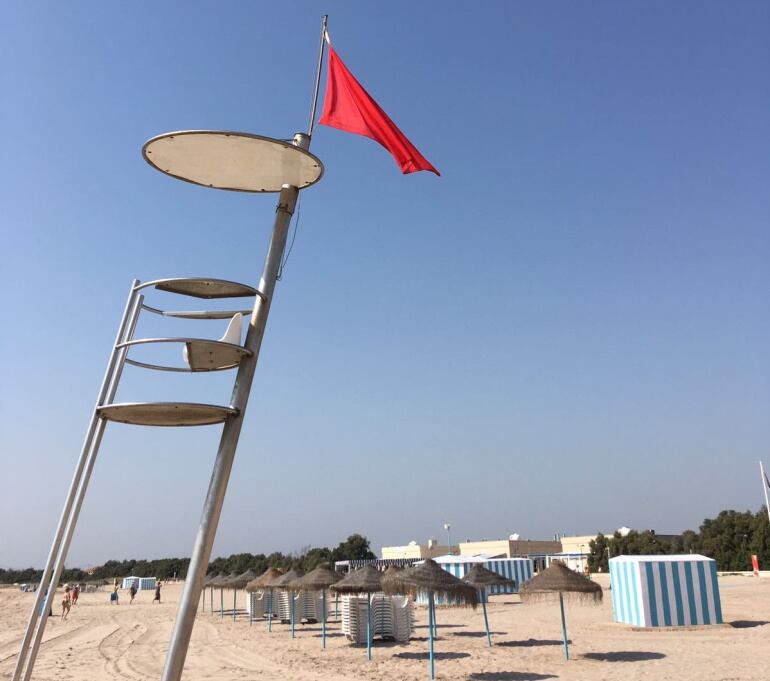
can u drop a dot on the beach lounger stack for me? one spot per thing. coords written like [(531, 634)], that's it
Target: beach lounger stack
[(258, 604), (282, 605), (354, 618), (392, 618)]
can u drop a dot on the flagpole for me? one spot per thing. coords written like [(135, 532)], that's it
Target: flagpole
[(317, 76), (764, 487)]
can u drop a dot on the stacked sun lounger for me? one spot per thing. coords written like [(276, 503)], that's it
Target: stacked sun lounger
[(392, 618), (308, 606), (258, 604)]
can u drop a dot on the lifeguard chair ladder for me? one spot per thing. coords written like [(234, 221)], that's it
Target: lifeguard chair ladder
[(221, 160)]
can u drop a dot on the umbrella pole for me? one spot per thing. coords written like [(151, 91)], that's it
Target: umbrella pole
[(563, 627), (336, 606), (235, 591), (431, 622), (211, 600), (291, 597), (222, 603), (323, 618), (486, 621), (270, 610), (250, 607), (368, 626)]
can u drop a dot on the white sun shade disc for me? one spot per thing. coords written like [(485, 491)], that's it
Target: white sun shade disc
[(235, 161)]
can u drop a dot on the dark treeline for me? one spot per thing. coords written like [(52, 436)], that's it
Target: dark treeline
[(730, 539), (354, 547)]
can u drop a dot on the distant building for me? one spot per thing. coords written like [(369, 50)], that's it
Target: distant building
[(413, 550), (509, 548)]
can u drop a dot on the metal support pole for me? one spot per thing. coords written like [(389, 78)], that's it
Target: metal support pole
[(270, 610), (221, 603), (212, 508), (291, 596), (114, 380), (368, 626), (249, 606), (211, 600), (431, 617), (323, 619), (45, 581), (486, 621), (235, 591), (563, 627)]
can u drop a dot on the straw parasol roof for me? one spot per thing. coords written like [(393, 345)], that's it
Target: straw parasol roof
[(264, 580), (316, 580), (243, 579), (429, 578), (480, 577), (559, 579), (365, 580), (218, 580), (228, 582), (284, 580)]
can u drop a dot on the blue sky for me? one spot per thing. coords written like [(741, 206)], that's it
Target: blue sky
[(566, 332)]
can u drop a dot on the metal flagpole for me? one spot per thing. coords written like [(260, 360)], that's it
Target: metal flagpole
[(317, 76), (47, 586), (764, 487)]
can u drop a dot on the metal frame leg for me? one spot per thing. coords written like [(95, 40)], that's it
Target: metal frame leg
[(68, 519)]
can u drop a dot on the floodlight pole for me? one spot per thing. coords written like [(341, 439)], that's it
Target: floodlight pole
[(764, 487), (212, 508)]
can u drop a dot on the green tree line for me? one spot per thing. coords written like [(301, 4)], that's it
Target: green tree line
[(354, 547), (731, 538)]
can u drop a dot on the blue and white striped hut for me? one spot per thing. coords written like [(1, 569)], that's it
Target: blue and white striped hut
[(665, 591), (141, 583)]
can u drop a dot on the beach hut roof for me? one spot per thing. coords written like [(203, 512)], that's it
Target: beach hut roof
[(285, 579), (263, 581), (480, 577), (365, 580), (228, 582), (429, 578), (558, 578), (316, 580)]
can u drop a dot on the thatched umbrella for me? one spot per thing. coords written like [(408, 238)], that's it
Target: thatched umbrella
[(226, 583), (559, 579), (366, 580), (206, 583), (262, 583), (319, 579), (283, 583), (428, 579), (480, 578), (240, 582), (216, 582)]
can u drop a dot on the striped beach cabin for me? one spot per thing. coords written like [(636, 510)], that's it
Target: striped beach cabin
[(141, 583), (665, 591)]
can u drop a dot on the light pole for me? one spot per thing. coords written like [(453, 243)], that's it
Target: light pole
[(582, 567), (448, 527)]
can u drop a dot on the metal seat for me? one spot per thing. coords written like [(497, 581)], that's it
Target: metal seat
[(166, 413)]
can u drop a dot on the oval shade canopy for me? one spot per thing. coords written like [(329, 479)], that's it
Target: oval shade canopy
[(237, 161)]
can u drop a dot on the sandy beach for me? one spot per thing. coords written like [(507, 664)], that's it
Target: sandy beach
[(100, 641)]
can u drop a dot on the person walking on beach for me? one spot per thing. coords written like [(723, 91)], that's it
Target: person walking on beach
[(66, 604), (75, 594), (132, 591), (157, 593), (114, 596)]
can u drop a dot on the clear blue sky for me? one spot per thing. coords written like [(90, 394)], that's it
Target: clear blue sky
[(566, 332)]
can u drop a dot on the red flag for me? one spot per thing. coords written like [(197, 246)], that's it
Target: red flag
[(347, 106)]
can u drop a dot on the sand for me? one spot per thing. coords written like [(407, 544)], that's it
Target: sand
[(100, 641)]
